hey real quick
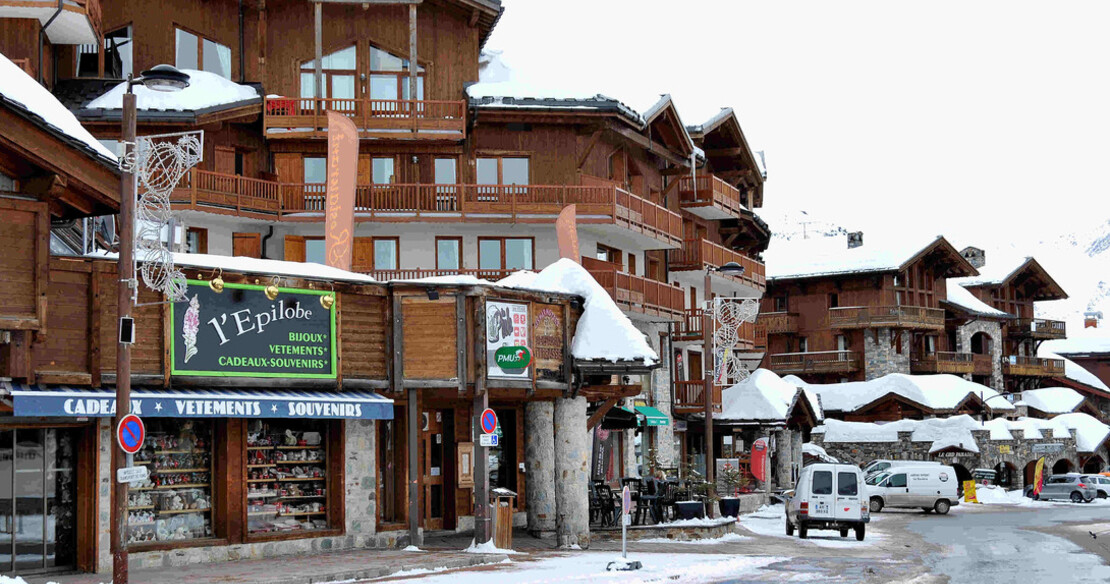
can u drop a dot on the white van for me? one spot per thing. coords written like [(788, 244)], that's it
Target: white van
[(877, 466), (828, 496), (930, 488)]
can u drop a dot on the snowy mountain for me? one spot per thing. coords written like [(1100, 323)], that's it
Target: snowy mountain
[(1079, 260)]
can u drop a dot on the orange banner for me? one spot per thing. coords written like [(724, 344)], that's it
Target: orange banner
[(339, 224), (566, 232), (1038, 477)]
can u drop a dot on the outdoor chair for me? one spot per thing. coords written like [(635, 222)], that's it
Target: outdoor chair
[(608, 501), (650, 501)]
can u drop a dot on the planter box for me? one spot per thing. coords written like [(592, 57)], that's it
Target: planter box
[(730, 506), (691, 509)]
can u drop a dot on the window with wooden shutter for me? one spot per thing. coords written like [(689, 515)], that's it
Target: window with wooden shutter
[(246, 245), (294, 248), (362, 259), (288, 167)]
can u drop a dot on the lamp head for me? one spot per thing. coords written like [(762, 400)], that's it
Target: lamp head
[(163, 78), (731, 269)]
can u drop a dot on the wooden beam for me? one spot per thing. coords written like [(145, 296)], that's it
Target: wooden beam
[(413, 63), (589, 147), (642, 141), (596, 417), (460, 341), (369, 2), (474, 18), (319, 32), (725, 151)]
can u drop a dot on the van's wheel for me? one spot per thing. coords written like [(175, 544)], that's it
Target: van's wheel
[(1076, 497), (927, 509), (876, 504), (789, 527), (860, 531), (843, 532), (942, 506), (803, 531)]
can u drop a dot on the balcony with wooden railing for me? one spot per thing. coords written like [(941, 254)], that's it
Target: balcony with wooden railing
[(1037, 328), (78, 23), (417, 274), (943, 362), (203, 190), (907, 317), (689, 329), (982, 364), (700, 254), (689, 397), (636, 293), (396, 119), (709, 197), (814, 362), (774, 323), (1031, 366)]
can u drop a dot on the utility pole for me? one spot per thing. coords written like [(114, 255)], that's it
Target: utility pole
[(707, 389)]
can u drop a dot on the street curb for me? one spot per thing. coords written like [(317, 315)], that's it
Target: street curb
[(382, 572)]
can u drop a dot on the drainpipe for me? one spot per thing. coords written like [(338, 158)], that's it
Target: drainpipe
[(42, 35), (242, 60), (265, 238)]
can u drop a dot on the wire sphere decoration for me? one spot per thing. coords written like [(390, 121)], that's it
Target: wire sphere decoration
[(729, 314), (159, 164)]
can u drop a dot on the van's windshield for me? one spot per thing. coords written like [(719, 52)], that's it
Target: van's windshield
[(878, 478)]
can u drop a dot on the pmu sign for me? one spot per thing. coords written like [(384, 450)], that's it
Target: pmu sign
[(131, 433)]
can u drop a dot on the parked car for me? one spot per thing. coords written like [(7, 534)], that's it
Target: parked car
[(1067, 487), (882, 465), (928, 487), (829, 497), (1101, 483)]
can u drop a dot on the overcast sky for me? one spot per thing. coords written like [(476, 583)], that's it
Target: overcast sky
[(930, 117)]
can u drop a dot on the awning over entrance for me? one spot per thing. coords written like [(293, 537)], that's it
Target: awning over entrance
[(200, 403), (652, 416)]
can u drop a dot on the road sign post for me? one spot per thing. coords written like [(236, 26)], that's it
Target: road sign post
[(626, 518)]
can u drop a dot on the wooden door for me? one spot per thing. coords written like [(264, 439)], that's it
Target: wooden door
[(246, 245), (288, 167), (294, 248), (433, 448), (696, 370), (225, 160)]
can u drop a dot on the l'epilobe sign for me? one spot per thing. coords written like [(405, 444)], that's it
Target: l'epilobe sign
[(242, 333)]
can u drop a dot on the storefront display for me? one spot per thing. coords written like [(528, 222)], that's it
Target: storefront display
[(287, 463), (175, 502)]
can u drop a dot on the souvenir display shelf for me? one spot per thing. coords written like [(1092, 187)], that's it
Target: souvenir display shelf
[(175, 502), (286, 482)]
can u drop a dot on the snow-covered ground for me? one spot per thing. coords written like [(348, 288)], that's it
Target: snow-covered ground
[(590, 567), (993, 496), (770, 520), (726, 538)]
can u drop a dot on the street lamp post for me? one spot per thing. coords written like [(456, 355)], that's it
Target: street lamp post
[(710, 359), (160, 78)]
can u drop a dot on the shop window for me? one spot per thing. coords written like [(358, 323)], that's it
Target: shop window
[(175, 502), (197, 52), (287, 466)]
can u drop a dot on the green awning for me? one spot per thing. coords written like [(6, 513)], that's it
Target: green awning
[(653, 417)]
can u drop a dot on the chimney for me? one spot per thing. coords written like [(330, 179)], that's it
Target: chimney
[(855, 239), (1091, 318), (975, 256)]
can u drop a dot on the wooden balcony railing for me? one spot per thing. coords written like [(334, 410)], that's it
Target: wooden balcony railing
[(689, 397), (709, 191), (1037, 328), (699, 254), (982, 364), (778, 322), (416, 274), (943, 362), (815, 362), (287, 117), (1031, 366), (204, 190), (689, 328), (911, 317), (637, 293)]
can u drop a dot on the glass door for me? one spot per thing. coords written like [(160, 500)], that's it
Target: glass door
[(30, 515)]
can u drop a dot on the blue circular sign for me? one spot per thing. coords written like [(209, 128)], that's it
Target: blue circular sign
[(131, 433), (489, 421)]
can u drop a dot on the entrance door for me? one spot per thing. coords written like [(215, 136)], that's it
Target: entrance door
[(38, 500), (433, 444)]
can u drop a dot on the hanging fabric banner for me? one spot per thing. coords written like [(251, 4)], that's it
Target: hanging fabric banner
[(566, 232), (339, 223)]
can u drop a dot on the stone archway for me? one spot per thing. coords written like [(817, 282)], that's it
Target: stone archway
[(1094, 465), (1062, 466), (1007, 475), (1030, 473), (981, 343), (962, 474)]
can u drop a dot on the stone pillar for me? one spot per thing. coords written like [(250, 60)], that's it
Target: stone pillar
[(783, 454), (662, 437), (539, 464), (572, 473), (881, 355)]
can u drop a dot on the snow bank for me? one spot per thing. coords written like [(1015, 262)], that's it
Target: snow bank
[(818, 452), (603, 332), (521, 279), (259, 266), (995, 495), (487, 548), (963, 298), (205, 90), (412, 548), (1052, 400), (762, 396), (726, 538), (830, 255), (937, 392), (21, 88)]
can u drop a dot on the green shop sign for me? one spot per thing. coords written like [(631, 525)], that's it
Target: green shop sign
[(239, 332), (512, 358)]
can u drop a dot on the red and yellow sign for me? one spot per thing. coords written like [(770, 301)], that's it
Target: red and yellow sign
[(339, 224), (969, 492), (1038, 477)]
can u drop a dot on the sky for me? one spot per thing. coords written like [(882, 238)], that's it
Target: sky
[(977, 120)]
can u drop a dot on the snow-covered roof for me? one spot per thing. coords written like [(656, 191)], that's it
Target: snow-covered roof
[(934, 392), (1081, 341), (764, 396), (206, 90), (259, 266), (960, 296), (21, 90), (818, 452), (1052, 400), (995, 271), (831, 255), (1072, 370), (521, 279), (1089, 432)]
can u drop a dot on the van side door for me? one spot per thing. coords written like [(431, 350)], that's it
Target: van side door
[(898, 491), (847, 495), (821, 497)]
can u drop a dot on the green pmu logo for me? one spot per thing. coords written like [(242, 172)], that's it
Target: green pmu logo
[(512, 358)]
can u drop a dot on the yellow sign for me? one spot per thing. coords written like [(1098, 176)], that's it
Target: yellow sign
[(1004, 449), (969, 492)]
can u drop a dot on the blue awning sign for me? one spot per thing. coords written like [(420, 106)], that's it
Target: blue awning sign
[(210, 403)]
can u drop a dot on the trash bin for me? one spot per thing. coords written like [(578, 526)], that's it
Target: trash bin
[(504, 503)]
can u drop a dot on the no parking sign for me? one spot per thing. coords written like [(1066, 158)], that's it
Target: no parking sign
[(130, 434)]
